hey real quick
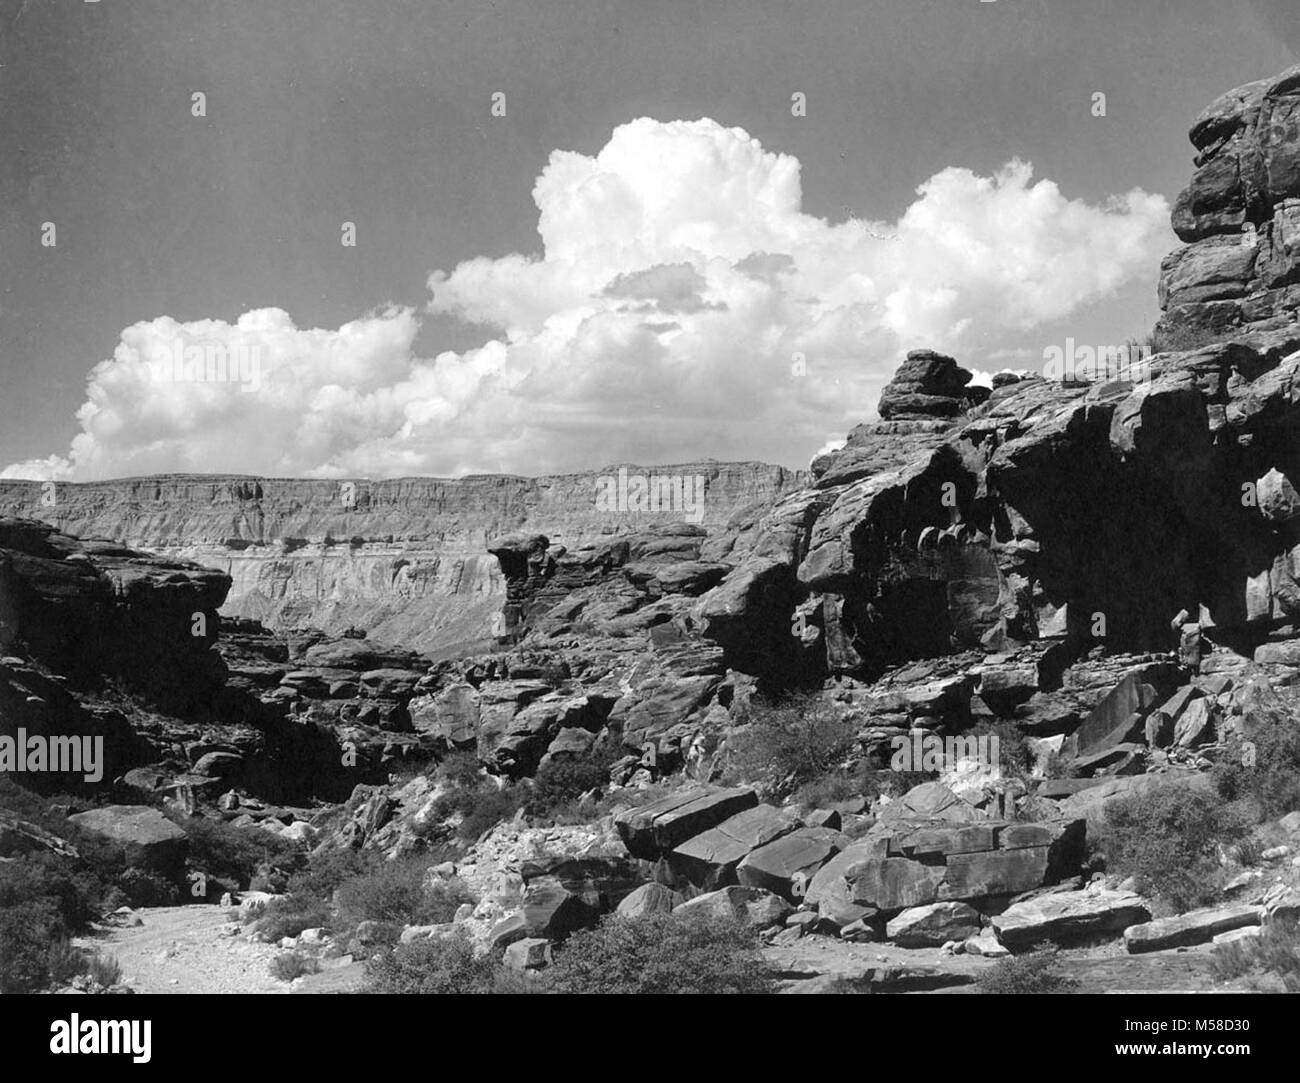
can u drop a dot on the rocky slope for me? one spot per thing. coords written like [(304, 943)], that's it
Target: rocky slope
[(1107, 570), (404, 559)]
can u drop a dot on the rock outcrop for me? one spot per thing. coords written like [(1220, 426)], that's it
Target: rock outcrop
[(404, 558), (1240, 217)]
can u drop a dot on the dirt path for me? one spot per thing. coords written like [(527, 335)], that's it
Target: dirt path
[(188, 949)]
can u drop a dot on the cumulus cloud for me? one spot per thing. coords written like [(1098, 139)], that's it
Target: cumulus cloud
[(682, 305)]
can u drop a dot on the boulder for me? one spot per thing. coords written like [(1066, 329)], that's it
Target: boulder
[(710, 858), (553, 912), (1196, 927), (933, 926), (531, 953), (792, 858), (1067, 916), (141, 835), (650, 899), (749, 905), (654, 829)]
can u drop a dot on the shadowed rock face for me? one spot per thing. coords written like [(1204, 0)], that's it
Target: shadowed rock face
[(406, 559), (92, 608), (1051, 511)]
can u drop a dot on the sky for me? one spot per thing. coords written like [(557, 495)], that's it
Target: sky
[(585, 231)]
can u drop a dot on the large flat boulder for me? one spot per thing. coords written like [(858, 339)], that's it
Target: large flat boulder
[(142, 835), (1197, 927), (791, 860), (710, 858), (1069, 915), (654, 829)]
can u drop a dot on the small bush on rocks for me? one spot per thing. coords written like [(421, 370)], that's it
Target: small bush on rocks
[(1270, 959), (1036, 971), (293, 964), (660, 953), (1167, 838), (788, 743), (433, 966)]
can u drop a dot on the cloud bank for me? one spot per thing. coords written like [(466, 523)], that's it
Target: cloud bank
[(683, 306)]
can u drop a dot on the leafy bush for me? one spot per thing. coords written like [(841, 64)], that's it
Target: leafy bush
[(433, 966), (1274, 954), (393, 891), (75, 892), (104, 969), (661, 953), (460, 769), (480, 807), (290, 915), (836, 786), (31, 935), (559, 783), (231, 854), (1015, 758), (325, 871), (1265, 766), (1036, 971), (293, 964), (143, 887), (790, 742), (1167, 838)]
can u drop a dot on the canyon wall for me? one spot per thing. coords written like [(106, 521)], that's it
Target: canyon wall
[(405, 559)]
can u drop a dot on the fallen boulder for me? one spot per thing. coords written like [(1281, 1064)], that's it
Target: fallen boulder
[(143, 836), (1197, 927), (1069, 915), (652, 830)]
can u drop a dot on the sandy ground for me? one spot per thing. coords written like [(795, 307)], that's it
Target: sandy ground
[(188, 949)]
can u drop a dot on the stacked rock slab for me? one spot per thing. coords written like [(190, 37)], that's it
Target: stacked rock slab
[(1240, 217)]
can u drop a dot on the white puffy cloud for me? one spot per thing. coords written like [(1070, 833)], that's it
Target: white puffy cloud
[(682, 306)]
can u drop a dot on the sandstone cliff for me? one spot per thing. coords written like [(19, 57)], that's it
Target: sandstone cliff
[(406, 559)]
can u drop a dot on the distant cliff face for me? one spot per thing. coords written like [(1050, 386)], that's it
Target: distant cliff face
[(406, 559)]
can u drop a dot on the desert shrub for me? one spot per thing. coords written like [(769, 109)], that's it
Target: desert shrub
[(325, 871), (75, 892), (790, 742), (289, 915), (63, 962), (1274, 954), (231, 854), (836, 786), (29, 932), (460, 769), (1015, 758), (480, 807), (104, 969), (143, 887), (1036, 971), (393, 891), (661, 953), (432, 966), (1167, 838), (558, 784), (1267, 771), (293, 964)]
